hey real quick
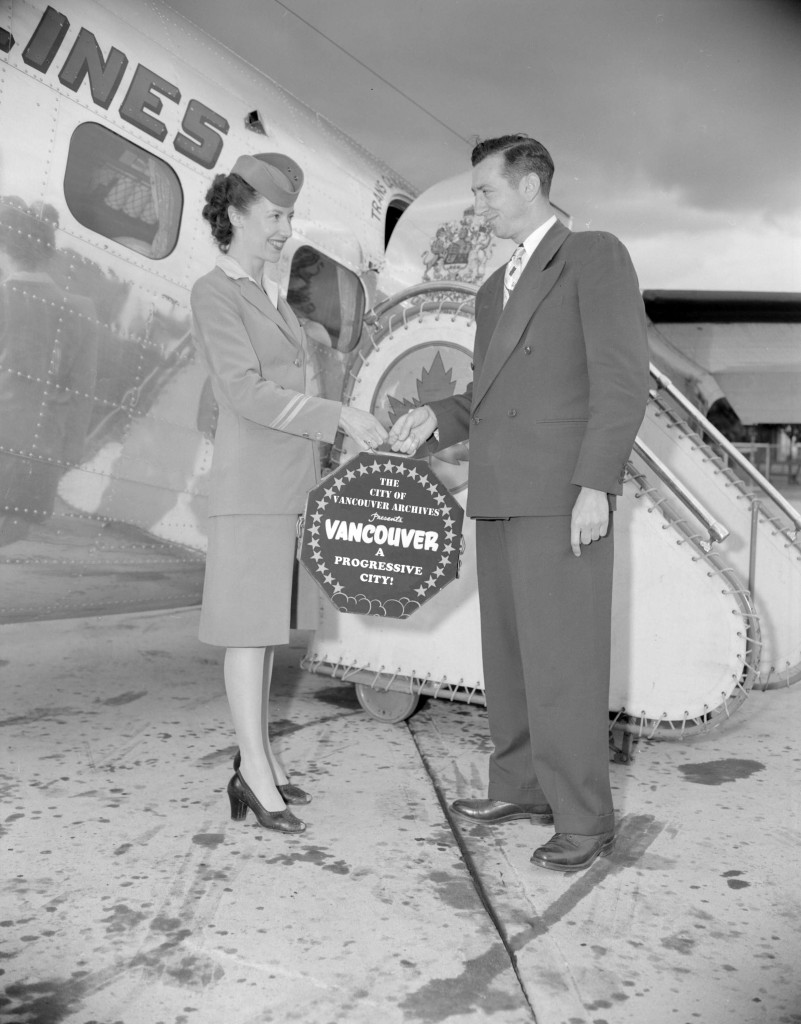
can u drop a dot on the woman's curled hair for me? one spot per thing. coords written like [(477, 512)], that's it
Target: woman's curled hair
[(226, 190)]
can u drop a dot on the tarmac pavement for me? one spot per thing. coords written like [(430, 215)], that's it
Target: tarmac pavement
[(130, 896)]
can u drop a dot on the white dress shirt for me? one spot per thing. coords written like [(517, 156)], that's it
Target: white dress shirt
[(233, 269), (530, 244)]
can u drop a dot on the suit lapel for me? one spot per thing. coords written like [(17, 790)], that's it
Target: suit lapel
[(536, 281), (290, 319), (283, 317)]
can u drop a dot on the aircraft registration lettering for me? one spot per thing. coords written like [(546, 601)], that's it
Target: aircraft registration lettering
[(201, 139), (380, 190)]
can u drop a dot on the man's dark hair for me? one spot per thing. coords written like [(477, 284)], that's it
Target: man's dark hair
[(521, 155)]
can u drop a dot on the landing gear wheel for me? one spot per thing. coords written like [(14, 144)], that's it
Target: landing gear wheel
[(387, 705)]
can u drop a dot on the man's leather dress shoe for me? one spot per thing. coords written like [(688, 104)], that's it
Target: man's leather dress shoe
[(568, 852), (495, 812)]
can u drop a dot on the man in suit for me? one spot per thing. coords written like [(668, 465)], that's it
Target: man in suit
[(559, 391)]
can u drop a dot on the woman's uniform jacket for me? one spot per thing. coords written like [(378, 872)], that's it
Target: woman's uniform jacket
[(560, 379), (266, 446)]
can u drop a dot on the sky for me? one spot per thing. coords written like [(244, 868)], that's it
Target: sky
[(674, 124)]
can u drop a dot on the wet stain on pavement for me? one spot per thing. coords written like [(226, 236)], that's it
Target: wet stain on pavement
[(122, 919), (124, 698), (188, 969), (471, 992), (225, 754), (44, 715), (339, 696), (339, 867), (715, 773), (196, 972), (42, 1002), (283, 727), (456, 891), (734, 881), (279, 727), (312, 855), (210, 839), (680, 943)]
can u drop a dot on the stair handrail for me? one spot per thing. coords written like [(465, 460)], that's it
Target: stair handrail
[(418, 291), (717, 532), (732, 453)]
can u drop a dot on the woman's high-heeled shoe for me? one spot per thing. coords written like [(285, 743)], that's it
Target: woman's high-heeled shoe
[(242, 796), (292, 794)]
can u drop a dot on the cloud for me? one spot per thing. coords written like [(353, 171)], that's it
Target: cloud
[(749, 255), (667, 119)]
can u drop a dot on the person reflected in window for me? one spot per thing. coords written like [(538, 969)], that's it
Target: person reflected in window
[(265, 460)]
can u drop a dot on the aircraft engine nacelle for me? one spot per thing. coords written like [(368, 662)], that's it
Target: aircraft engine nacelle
[(440, 238)]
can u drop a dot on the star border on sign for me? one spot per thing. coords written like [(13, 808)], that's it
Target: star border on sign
[(424, 479)]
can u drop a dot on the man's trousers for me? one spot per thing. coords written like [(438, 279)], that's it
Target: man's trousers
[(546, 633)]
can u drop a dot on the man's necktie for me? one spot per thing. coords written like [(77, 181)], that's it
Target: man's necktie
[(513, 268)]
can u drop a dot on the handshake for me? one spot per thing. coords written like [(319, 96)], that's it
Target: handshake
[(406, 435)]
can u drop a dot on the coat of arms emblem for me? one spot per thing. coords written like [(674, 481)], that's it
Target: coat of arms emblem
[(459, 250)]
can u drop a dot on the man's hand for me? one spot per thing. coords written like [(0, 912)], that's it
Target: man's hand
[(590, 518), (412, 429)]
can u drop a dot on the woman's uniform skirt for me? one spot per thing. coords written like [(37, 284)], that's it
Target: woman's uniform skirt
[(247, 591)]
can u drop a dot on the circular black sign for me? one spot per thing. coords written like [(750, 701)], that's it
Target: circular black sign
[(381, 535)]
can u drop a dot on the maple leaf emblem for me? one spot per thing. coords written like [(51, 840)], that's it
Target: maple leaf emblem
[(434, 383)]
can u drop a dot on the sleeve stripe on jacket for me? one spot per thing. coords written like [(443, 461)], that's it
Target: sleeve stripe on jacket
[(289, 412)]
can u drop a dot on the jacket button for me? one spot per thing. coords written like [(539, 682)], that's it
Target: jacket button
[(297, 362), (513, 412), (528, 350), (476, 419)]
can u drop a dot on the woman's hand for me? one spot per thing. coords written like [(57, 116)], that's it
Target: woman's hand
[(362, 426)]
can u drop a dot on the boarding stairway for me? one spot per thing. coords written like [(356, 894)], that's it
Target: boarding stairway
[(763, 540), (707, 599)]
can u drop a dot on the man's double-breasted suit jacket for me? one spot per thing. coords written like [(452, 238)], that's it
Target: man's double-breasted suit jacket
[(560, 379), (266, 445)]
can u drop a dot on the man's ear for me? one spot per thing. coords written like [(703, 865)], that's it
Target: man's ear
[(531, 185)]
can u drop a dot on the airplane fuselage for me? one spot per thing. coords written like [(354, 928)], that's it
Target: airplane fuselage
[(115, 120)]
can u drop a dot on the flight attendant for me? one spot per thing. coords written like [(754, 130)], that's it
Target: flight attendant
[(265, 459)]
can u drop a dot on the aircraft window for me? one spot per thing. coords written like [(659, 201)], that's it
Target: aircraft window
[(327, 299), (394, 211), (122, 192)]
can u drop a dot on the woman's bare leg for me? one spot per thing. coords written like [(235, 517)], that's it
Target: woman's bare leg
[(279, 775), (248, 694)]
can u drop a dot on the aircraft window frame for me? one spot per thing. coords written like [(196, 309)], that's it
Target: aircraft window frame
[(123, 192), (396, 207), (339, 324)]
